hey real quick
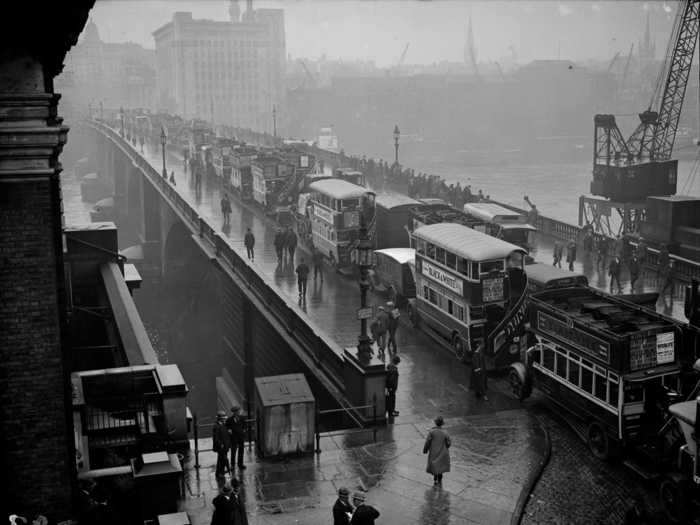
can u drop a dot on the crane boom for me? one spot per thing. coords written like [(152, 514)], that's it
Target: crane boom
[(642, 166)]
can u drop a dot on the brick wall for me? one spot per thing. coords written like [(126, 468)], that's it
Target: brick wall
[(35, 447)]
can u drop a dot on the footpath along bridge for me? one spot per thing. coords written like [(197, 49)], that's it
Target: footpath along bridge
[(264, 331), (499, 447)]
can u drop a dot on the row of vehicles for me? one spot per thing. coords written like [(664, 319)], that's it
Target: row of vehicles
[(623, 374)]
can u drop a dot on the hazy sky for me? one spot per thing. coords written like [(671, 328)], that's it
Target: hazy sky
[(434, 30)]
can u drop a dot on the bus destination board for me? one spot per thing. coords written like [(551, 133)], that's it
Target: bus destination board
[(570, 335), (492, 289), (649, 349)]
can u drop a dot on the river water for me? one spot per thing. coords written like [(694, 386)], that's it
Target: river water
[(554, 188)]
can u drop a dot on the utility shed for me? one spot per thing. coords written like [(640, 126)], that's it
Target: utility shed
[(285, 410)]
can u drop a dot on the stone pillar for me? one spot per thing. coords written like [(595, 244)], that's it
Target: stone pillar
[(35, 398)]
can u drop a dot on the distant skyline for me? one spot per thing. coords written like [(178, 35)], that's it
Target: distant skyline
[(435, 31)]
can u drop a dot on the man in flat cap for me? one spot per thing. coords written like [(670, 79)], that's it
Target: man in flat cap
[(342, 510), (364, 514), (237, 428), (221, 444)]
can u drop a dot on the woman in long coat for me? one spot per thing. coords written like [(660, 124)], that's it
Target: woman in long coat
[(437, 446)]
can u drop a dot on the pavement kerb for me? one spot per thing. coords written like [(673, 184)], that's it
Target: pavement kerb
[(533, 477)]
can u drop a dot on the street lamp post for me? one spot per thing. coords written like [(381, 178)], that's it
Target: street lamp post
[(121, 118), (397, 134), (364, 260), (274, 121), (163, 140)]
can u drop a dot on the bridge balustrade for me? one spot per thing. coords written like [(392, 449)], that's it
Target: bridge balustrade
[(325, 353)]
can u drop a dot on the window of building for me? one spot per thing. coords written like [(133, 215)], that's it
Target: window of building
[(574, 370), (586, 378), (561, 364), (440, 255), (548, 358), (433, 298), (600, 387), (451, 260), (463, 266), (491, 266)]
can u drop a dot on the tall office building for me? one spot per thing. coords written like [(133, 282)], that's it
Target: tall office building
[(228, 72)]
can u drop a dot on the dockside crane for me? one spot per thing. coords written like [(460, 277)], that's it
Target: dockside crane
[(626, 172)]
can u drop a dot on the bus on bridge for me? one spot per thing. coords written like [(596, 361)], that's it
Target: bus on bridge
[(466, 285)]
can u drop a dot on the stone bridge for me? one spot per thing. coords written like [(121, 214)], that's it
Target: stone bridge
[(251, 328)]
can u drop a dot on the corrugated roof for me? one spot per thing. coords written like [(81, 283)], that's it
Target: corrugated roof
[(283, 390), (487, 211), (466, 242), (400, 255), (394, 200), (338, 189)]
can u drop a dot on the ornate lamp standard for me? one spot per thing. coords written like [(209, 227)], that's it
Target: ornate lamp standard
[(397, 134), (121, 118), (163, 140), (364, 261)]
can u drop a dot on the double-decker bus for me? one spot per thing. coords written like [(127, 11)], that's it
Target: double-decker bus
[(612, 367), (335, 209), (466, 286), (502, 222)]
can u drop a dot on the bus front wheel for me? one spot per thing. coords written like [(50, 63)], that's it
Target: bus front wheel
[(673, 496), (519, 387), (598, 441)]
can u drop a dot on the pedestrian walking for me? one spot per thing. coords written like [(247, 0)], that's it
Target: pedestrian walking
[(226, 208), (588, 242), (635, 269), (342, 508), (437, 446), (317, 260), (478, 379), (223, 507), (364, 514), (382, 327), (557, 254), (602, 251), (302, 272), (392, 294), (392, 326), (221, 441), (279, 244), (669, 274), (172, 178), (614, 273), (392, 383), (571, 254), (236, 426), (238, 511), (291, 243), (249, 241)]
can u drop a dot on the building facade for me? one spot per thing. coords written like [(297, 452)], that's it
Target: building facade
[(114, 74), (229, 72)]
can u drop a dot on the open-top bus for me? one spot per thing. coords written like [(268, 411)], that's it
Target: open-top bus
[(335, 209), (467, 284), (611, 366)]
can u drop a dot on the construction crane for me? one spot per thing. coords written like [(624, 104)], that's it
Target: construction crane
[(626, 172), (612, 62), (403, 56), (627, 67)]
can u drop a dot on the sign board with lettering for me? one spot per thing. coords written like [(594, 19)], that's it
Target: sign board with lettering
[(492, 289), (365, 313), (574, 337), (648, 349), (443, 277)]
